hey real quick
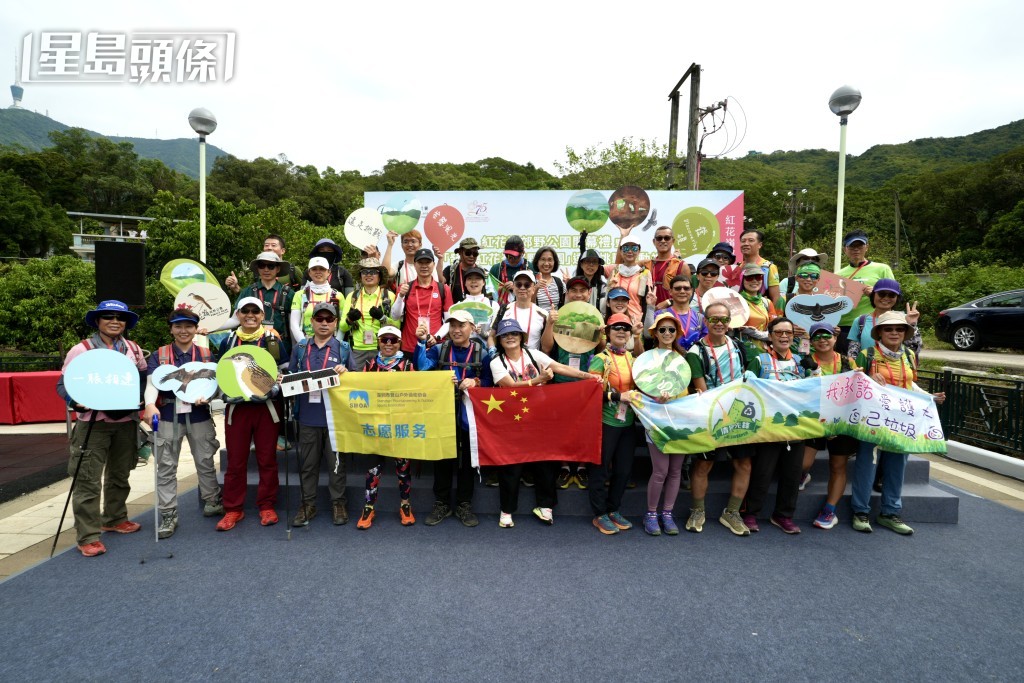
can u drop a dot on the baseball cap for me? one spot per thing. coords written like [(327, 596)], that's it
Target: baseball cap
[(245, 301), (389, 329), (326, 306), (319, 261), (423, 255), (508, 326), (618, 293), (577, 281), (525, 273), (855, 236), (460, 316), (619, 318)]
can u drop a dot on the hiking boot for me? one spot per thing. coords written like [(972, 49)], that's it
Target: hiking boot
[(564, 478), (732, 521), (92, 549), (440, 513), (605, 526), (366, 519), (230, 519), (826, 519), (861, 522), (268, 518), (668, 523), (213, 508), (405, 514), (896, 524), (805, 479), (545, 515), (651, 526), (306, 513), (466, 515), (339, 515), (582, 478), (505, 521), (695, 522), (784, 523), (168, 523), (750, 521), (125, 527), (621, 522)]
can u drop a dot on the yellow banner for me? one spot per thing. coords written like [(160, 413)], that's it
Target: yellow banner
[(397, 414)]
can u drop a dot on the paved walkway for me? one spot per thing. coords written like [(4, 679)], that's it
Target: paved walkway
[(1010, 363), (27, 524)]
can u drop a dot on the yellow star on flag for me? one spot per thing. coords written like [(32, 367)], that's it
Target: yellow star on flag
[(523, 399), (526, 410), (517, 418), (513, 393), (493, 404)]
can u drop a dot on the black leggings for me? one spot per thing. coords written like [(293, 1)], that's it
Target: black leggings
[(617, 446)]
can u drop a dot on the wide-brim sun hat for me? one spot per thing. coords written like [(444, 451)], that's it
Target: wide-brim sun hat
[(889, 318), (269, 257), (112, 306), (805, 255)]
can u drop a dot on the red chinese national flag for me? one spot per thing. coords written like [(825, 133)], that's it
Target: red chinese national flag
[(529, 424)]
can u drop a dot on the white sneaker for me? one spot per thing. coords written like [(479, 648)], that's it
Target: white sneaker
[(505, 521), (544, 515)]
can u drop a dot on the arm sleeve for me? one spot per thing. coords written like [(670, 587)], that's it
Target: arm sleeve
[(295, 322), (397, 308), (151, 391)]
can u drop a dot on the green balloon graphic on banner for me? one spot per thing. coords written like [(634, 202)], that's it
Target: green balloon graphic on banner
[(401, 214), (587, 210)]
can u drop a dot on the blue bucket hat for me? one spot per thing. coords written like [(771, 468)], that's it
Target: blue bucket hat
[(725, 248), (111, 306), (509, 326)]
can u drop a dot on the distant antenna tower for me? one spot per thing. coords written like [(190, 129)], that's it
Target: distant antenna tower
[(17, 92)]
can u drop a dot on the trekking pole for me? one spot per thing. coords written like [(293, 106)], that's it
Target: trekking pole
[(289, 405), (156, 465), (74, 478)]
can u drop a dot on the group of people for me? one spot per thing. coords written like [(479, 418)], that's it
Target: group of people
[(399, 319)]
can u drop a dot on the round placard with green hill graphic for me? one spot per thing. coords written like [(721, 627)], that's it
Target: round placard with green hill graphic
[(661, 372), (578, 328), (587, 210), (401, 214)]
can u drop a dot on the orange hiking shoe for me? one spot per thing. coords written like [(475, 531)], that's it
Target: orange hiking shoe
[(268, 517), (125, 527), (366, 519), (405, 514), (230, 519), (92, 549)]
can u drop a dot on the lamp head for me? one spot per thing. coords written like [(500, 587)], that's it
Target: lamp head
[(844, 100), (202, 121)]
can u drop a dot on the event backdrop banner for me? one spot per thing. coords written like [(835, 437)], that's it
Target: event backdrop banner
[(557, 217), (760, 411), (397, 414)]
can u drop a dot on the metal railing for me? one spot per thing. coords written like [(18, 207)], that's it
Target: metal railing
[(31, 363), (980, 409)]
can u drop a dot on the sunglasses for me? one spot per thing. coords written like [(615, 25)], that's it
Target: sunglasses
[(783, 333), (681, 288), (524, 285), (114, 316), (719, 319), (666, 330), (263, 265), (753, 277), (251, 311), (663, 238), (388, 339), (721, 257), (369, 271), (809, 276), (621, 328), (821, 336), (630, 248), (892, 328), (708, 273), (325, 319), (470, 252), (887, 295)]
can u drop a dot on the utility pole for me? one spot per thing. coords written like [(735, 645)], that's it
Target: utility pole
[(896, 261), (794, 207), (693, 73)]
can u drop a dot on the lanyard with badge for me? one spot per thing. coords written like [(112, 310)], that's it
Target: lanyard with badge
[(317, 396)]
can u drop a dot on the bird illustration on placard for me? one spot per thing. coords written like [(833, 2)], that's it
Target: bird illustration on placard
[(252, 379), (185, 376), (817, 312), (195, 297)]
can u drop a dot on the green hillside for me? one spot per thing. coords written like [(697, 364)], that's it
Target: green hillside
[(29, 130)]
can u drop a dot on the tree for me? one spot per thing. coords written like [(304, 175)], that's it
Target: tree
[(624, 162), (27, 226)]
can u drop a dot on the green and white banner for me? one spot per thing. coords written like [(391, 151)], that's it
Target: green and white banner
[(760, 411)]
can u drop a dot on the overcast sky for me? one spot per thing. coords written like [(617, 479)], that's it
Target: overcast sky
[(351, 86)]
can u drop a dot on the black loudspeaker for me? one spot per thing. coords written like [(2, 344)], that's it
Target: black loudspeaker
[(121, 272)]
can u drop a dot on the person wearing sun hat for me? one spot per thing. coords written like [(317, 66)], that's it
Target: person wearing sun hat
[(618, 437), (112, 449), (888, 362), (863, 270), (193, 423), (316, 290), (886, 295), (365, 311), (455, 275), (275, 298)]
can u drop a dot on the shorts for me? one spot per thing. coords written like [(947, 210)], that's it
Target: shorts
[(723, 454), (837, 445)]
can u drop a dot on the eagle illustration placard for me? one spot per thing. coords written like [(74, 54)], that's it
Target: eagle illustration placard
[(246, 372), (191, 382), (810, 309)]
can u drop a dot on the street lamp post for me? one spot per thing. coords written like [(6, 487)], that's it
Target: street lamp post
[(842, 103), (203, 122)]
